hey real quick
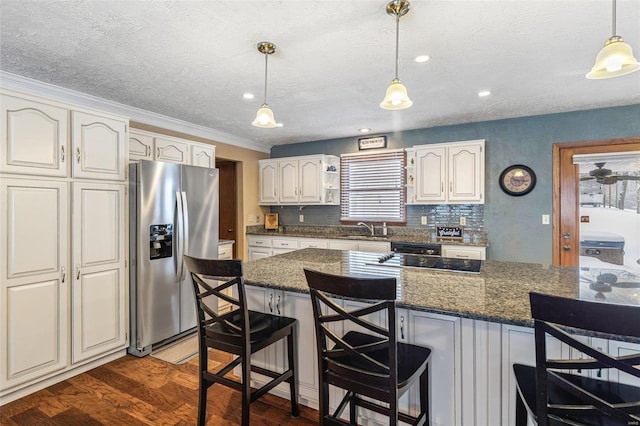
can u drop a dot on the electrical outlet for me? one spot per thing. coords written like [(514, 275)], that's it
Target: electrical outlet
[(423, 220), (463, 221), (545, 219), (301, 218)]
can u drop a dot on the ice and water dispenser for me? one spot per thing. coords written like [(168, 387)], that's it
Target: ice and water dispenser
[(160, 241)]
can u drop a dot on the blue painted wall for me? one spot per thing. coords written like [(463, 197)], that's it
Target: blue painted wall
[(513, 224)]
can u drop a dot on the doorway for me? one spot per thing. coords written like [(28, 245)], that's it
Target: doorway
[(228, 201), (566, 189)]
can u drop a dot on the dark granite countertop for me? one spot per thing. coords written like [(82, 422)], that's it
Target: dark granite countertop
[(500, 293), (403, 234)]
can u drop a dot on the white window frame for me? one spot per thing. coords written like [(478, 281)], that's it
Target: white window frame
[(371, 178)]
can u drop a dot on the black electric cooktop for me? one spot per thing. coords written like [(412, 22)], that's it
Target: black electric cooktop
[(400, 260)]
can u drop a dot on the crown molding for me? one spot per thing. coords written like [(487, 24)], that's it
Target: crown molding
[(61, 94)]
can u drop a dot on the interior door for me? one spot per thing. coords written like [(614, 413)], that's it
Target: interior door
[(228, 210), (566, 184)]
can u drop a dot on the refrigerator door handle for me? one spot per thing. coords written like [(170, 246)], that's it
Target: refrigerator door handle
[(185, 234), (180, 239)]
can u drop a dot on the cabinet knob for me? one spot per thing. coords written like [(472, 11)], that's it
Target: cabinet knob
[(78, 155), (278, 305), (77, 272), (270, 303), (566, 247), (64, 274), (402, 327), (62, 153)]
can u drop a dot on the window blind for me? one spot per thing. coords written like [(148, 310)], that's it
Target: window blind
[(372, 186)]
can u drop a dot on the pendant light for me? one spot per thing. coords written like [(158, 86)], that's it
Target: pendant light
[(396, 96), (264, 117), (615, 58)]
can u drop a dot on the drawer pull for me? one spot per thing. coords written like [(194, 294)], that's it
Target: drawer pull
[(284, 244), (62, 153)]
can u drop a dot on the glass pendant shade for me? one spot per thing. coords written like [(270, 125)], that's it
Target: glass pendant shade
[(615, 59), (264, 118), (396, 96)]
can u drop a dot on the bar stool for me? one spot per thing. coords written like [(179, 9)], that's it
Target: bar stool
[(240, 332), (552, 395), (372, 364)]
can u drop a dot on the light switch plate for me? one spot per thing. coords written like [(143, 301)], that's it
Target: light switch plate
[(301, 218), (423, 220), (545, 219), (463, 221)]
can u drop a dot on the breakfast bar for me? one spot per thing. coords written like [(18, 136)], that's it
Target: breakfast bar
[(477, 325)]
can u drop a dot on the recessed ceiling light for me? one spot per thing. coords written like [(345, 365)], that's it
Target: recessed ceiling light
[(421, 58), (248, 96), (364, 130), (484, 93)]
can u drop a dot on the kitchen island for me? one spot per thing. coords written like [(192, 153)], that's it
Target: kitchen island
[(477, 325)]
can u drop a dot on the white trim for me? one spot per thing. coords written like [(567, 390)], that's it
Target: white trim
[(39, 88)]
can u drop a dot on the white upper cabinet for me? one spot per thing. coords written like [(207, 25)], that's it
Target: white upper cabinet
[(171, 150), (288, 181), (99, 146), (451, 173), (145, 145), (203, 156), (34, 137), (305, 180), (140, 146), (268, 181)]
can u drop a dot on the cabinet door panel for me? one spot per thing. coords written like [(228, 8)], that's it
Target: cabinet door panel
[(431, 175), (268, 182), (203, 156), (98, 313), (33, 289), (288, 181), (34, 334), (99, 270), (140, 147), (35, 215), (441, 333), (618, 348), (465, 170), (171, 151), (98, 147), (34, 137), (310, 180)]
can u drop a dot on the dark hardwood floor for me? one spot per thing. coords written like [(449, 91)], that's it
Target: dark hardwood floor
[(144, 391)]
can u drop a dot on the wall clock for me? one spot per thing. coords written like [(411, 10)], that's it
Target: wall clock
[(517, 180)]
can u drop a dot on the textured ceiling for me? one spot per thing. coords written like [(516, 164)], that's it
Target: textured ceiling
[(193, 60)]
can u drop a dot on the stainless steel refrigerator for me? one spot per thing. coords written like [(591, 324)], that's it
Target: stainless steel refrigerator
[(173, 211)]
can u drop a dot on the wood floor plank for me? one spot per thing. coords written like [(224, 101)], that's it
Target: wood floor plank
[(144, 391)]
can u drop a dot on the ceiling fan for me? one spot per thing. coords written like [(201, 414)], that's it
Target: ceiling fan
[(605, 176)]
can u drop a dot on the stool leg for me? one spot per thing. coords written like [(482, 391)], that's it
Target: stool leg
[(246, 387), (424, 395), (203, 384), (353, 410), (292, 352)]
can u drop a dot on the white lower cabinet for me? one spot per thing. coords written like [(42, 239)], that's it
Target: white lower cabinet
[(99, 284), (35, 279), (274, 357), (53, 303), (440, 333)]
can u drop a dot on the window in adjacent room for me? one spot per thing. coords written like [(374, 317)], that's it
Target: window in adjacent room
[(372, 186)]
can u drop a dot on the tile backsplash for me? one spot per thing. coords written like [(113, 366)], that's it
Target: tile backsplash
[(437, 215)]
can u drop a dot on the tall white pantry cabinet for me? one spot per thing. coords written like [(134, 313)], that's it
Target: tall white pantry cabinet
[(63, 244)]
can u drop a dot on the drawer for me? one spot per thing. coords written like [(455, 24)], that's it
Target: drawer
[(462, 252), (225, 251), (322, 244), (290, 244), (256, 241)]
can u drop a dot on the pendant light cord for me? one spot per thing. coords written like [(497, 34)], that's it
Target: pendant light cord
[(266, 65), (397, 40), (614, 18)]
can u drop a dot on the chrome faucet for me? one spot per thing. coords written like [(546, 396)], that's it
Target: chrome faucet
[(369, 227)]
